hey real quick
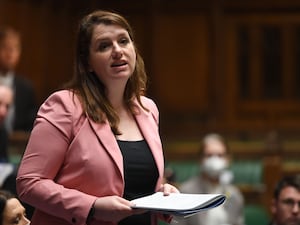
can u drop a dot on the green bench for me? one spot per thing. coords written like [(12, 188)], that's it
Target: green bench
[(248, 172)]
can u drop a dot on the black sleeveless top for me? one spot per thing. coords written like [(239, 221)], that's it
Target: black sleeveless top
[(140, 173)]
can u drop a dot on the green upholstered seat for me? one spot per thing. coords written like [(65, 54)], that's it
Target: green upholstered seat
[(256, 215), (245, 171)]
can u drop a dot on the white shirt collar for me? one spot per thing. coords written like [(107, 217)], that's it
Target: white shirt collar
[(7, 78)]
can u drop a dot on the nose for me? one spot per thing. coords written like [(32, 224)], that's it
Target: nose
[(117, 51), (25, 221), (296, 207)]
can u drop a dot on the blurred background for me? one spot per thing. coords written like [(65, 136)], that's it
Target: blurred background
[(226, 66)]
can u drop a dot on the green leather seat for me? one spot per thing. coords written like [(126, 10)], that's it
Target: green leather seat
[(256, 215), (183, 169), (247, 172), (244, 171)]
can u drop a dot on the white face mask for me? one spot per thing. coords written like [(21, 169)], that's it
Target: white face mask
[(213, 166)]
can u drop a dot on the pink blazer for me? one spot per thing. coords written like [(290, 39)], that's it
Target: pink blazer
[(70, 160)]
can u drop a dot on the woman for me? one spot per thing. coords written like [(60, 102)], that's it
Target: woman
[(11, 210), (94, 142)]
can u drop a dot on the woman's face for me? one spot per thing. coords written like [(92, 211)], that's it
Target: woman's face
[(14, 213), (112, 54)]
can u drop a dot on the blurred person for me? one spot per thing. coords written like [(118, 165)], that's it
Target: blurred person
[(214, 178), (6, 99), (95, 141), (12, 211), (170, 176), (285, 206), (9, 184), (23, 112)]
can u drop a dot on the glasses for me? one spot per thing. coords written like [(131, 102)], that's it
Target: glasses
[(290, 203)]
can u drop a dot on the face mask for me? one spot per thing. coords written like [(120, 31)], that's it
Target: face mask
[(214, 166)]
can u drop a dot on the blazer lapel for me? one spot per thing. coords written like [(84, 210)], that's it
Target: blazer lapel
[(108, 141), (149, 129)]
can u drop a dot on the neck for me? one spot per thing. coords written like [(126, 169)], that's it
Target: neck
[(115, 94)]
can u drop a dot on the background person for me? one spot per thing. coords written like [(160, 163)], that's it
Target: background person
[(23, 111), (94, 141), (214, 179), (11, 210), (9, 184), (6, 99), (285, 206)]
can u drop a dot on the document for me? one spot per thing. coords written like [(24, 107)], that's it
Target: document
[(179, 204)]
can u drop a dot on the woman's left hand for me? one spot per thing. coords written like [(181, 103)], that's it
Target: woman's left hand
[(168, 188)]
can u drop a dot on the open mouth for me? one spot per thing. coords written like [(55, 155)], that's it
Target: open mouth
[(117, 64)]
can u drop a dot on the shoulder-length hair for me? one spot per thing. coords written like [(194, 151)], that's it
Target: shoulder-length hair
[(88, 87)]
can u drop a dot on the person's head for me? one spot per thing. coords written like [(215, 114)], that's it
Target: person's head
[(6, 99), (285, 205), (107, 60), (214, 156), (12, 211), (10, 49)]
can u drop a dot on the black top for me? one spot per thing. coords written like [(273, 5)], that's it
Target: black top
[(140, 174)]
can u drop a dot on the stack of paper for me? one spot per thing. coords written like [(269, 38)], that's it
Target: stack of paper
[(179, 204)]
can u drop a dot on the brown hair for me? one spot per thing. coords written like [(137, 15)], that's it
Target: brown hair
[(212, 136), (288, 181), (86, 84), (6, 31), (4, 197)]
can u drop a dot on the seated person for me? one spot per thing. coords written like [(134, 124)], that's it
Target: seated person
[(6, 99), (24, 106), (214, 179), (285, 206), (9, 184), (11, 210)]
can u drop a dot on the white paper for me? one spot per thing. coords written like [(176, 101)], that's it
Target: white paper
[(179, 203)]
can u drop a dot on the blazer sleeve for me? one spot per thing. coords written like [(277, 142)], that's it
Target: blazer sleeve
[(43, 158)]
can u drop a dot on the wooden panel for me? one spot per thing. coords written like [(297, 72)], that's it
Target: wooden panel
[(181, 50), (260, 110), (47, 35), (191, 54)]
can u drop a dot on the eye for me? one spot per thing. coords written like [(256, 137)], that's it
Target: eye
[(103, 46), (124, 41)]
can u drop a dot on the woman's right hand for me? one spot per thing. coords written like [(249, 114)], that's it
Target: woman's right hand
[(113, 209)]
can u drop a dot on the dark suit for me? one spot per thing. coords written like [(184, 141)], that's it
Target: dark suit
[(25, 104), (3, 144)]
